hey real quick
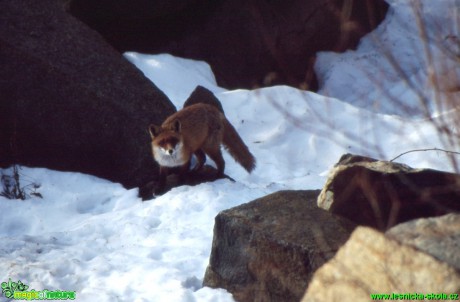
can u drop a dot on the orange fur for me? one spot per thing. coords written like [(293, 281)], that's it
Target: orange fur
[(197, 129)]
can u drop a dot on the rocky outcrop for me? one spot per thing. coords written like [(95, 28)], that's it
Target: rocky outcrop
[(268, 249), (69, 101), (371, 263), (272, 248), (247, 43), (438, 237), (382, 194)]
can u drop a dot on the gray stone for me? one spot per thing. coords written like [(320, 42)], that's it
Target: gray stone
[(438, 237), (268, 249)]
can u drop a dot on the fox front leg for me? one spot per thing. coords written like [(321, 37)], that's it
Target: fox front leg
[(184, 172), (161, 184)]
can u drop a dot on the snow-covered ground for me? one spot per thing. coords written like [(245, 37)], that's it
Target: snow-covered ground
[(415, 34), (98, 239)]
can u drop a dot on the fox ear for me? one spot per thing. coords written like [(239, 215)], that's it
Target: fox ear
[(177, 126), (154, 130)]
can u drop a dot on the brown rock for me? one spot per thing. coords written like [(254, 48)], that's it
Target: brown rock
[(370, 263), (381, 194), (268, 249), (438, 237)]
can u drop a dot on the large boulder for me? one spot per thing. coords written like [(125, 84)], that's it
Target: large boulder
[(69, 101), (382, 194), (438, 237), (268, 249), (247, 43), (372, 264)]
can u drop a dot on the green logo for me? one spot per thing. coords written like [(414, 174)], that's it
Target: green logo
[(9, 288), (18, 291)]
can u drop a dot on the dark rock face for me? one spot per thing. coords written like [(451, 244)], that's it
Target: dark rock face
[(268, 249), (205, 96), (69, 101), (247, 43), (381, 194)]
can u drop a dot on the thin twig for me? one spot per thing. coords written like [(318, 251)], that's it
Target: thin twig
[(421, 150)]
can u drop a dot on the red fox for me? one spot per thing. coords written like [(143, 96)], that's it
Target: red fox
[(197, 129)]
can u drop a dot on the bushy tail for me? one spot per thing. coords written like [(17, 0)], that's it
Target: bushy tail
[(236, 147)]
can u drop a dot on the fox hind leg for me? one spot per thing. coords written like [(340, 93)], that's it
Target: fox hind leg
[(201, 159), (216, 156)]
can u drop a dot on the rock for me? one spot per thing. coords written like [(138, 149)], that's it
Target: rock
[(247, 43), (348, 159), (438, 237), (370, 263), (203, 95), (69, 100), (382, 194), (206, 174), (268, 249)]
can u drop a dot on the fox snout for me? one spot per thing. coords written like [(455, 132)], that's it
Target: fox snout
[(169, 150)]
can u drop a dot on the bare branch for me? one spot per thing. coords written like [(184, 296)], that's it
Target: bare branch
[(422, 150)]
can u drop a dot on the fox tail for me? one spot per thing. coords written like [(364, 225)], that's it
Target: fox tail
[(236, 147)]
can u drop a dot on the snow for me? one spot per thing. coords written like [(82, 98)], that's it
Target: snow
[(97, 238), (160, 69), (422, 37)]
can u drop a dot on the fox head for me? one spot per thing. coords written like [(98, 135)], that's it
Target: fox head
[(167, 145)]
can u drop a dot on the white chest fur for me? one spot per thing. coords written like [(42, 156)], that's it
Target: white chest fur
[(170, 157)]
